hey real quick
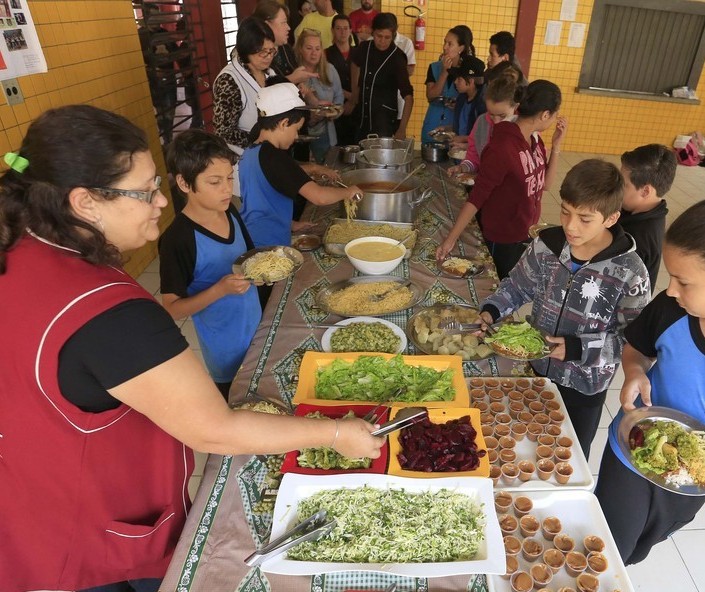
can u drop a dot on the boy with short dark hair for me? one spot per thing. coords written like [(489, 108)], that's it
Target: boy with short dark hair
[(586, 283), (648, 173), (196, 254), (270, 179), (502, 49)]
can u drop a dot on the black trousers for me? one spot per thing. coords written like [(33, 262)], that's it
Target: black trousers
[(505, 256), (584, 412), (639, 513)]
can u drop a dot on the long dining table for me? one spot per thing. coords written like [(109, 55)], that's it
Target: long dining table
[(231, 513)]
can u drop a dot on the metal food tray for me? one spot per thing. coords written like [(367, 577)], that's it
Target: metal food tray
[(526, 450), (338, 249), (580, 515)]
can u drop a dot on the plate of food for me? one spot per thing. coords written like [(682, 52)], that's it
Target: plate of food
[(457, 153), (340, 232), (268, 265), (666, 446), (369, 296), (325, 460), (337, 379), (433, 528), (441, 135), (305, 242), (425, 331), (518, 341), (467, 179), (460, 267), (364, 334)]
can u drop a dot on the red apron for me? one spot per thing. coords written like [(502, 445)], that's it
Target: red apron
[(87, 498)]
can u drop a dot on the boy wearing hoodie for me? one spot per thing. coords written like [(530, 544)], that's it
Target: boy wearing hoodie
[(648, 173), (586, 283)]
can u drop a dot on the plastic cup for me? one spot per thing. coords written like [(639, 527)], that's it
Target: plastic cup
[(543, 452), (477, 394), (516, 396), (546, 395), (532, 549), (562, 454), (564, 441), (521, 384), (477, 382), (530, 395), (552, 405), (512, 566), (491, 443), (534, 430), (546, 440), (545, 468), (492, 456), (575, 563), (487, 430), (503, 418), (526, 470), (597, 562), (495, 474), (522, 505), (515, 408), (512, 545), (487, 419), (542, 574), (553, 430), (497, 407), (521, 581), (502, 502), (556, 417), (538, 383), (510, 472), (506, 384), (482, 406), (507, 442), (554, 559), (563, 472), (536, 407), (550, 527), (542, 419), (508, 524), (501, 430), (491, 383), (507, 455), (518, 431), (587, 582), (593, 543), (496, 395), (564, 543), (528, 525)]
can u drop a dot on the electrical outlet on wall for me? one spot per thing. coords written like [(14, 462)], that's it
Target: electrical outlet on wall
[(13, 92)]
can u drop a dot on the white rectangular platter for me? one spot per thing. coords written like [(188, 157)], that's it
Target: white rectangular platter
[(526, 450), (294, 488), (580, 515)]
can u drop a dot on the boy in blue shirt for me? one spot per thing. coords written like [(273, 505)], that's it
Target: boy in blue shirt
[(197, 251), (586, 283)]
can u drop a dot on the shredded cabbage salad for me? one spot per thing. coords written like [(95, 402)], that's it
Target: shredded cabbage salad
[(519, 339), (393, 526), (372, 378)]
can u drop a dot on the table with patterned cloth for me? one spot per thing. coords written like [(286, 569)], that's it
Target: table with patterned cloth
[(231, 514)]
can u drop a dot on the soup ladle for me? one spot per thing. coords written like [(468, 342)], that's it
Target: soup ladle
[(411, 174)]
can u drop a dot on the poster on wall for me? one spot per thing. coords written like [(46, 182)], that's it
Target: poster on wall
[(20, 52)]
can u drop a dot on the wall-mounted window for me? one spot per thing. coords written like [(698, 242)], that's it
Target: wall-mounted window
[(644, 47)]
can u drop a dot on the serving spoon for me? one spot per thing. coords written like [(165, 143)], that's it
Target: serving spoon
[(411, 174)]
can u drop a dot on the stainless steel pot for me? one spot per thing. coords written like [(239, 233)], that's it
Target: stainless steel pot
[(384, 158), (400, 206), (374, 141), (348, 154), (434, 151)]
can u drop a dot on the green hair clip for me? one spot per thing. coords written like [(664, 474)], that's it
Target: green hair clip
[(16, 162)]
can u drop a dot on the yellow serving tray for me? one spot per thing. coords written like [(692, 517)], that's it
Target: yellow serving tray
[(312, 361), (439, 416)]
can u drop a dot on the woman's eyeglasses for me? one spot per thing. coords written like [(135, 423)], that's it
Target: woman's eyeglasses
[(145, 196), (267, 53)]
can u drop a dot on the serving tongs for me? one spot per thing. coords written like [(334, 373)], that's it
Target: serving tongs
[(405, 418), (311, 529)]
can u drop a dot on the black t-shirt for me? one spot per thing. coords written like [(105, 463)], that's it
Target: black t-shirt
[(115, 346), (281, 170)]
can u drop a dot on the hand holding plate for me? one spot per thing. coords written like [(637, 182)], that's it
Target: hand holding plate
[(635, 385), (558, 350)]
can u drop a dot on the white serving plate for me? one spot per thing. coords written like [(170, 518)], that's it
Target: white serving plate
[(325, 339), (580, 515), (526, 450), (294, 487)]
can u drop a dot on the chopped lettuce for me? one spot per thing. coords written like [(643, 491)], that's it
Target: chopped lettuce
[(520, 339), (372, 378)]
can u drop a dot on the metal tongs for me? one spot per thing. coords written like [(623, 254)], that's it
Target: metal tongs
[(312, 529), (406, 417)]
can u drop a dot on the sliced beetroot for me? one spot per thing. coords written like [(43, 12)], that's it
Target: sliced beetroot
[(444, 447)]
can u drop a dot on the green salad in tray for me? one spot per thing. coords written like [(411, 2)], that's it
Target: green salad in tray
[(669, 450), (372, 378), (365, 337), (393, 526), (326, 457), (518, 340)]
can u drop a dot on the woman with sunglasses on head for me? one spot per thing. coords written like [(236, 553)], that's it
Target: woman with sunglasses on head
[(102, 399), (235, 88), (322, 91)]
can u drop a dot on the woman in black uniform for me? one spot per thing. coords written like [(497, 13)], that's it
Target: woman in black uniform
[(378, 72)]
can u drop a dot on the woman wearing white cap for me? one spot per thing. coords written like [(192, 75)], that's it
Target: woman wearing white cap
[(270, 178)]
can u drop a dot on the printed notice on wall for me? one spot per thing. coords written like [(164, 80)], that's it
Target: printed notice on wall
[(568, 10), (553, 33), (576, 35), (20, 52)]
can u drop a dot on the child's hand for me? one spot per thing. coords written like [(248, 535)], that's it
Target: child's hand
[(235, 283), (633, 387), (456, 169), (444, 249), (557, 352), (559, 134)]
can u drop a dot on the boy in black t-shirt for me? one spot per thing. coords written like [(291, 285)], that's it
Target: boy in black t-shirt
[(648, 173)]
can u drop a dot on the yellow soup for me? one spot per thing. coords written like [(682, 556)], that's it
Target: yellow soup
[(375, 251)]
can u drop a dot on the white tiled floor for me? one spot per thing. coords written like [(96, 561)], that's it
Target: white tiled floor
[(676, 565)]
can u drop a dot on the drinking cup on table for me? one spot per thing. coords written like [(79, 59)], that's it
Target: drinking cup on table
[(478, 395), (521, 384), (495, 473), (587, 582), (491, 383), (542, 574), (512, 566), (491, 443), (593, 543), (552, 405), (543, 452), (575, 563), (562, 454), (528, 525), (564, 441), (553, 430), (556, 417), (510, 472), (564, 543), (531, 549), (487, 430), (487, 419), (538, 383), (522, 505), (495, 395), (546, 440), (503, 501), (536, 407), (496, 407), (503, 418), (512, 545), (501, 430), (545, 468), (518, 431), (525, 417), (597, 562), (476, 382), (482, 406), (506, 384), (534, 430), (530, 395), (526, 470), (507, 442), (492, 456), (508, 524), (546, 395), (507, 455), (516, 396), (550, 527), (521, 581), (542, 419), (515, 408), (563, 472), (554, 559)]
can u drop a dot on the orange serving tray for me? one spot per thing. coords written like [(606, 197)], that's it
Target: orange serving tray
[(312, 361), (439, 416)]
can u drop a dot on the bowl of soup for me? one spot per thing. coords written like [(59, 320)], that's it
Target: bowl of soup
[(375, 255)]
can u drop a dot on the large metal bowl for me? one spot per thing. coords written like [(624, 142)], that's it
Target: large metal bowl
[(384, 158), (374, 141)]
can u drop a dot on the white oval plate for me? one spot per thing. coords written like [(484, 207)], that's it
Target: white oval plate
[(325, 340)]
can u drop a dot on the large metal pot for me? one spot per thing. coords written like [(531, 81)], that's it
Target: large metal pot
[(374, 141), (384, 158), (400, 206), (434, 151), (348, 154)]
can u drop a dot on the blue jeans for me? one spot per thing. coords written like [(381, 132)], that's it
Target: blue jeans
[(144, 585), (319, 147)]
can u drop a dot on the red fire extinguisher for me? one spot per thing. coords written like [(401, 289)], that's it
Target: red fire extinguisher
[(420, 32)]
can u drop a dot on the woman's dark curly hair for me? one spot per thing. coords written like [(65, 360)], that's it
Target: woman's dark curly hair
[(68, 147)]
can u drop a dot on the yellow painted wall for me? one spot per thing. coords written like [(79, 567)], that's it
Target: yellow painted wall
[(93, 56), (605, 125)]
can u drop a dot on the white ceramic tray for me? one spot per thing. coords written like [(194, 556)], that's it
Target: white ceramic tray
[(526, 450), (325, 339), (294, 487), (580, 515)]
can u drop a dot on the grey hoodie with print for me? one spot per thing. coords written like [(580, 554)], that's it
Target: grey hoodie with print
[(589, 307)]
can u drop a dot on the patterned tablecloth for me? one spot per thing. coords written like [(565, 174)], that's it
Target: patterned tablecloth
[(230, 515)]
